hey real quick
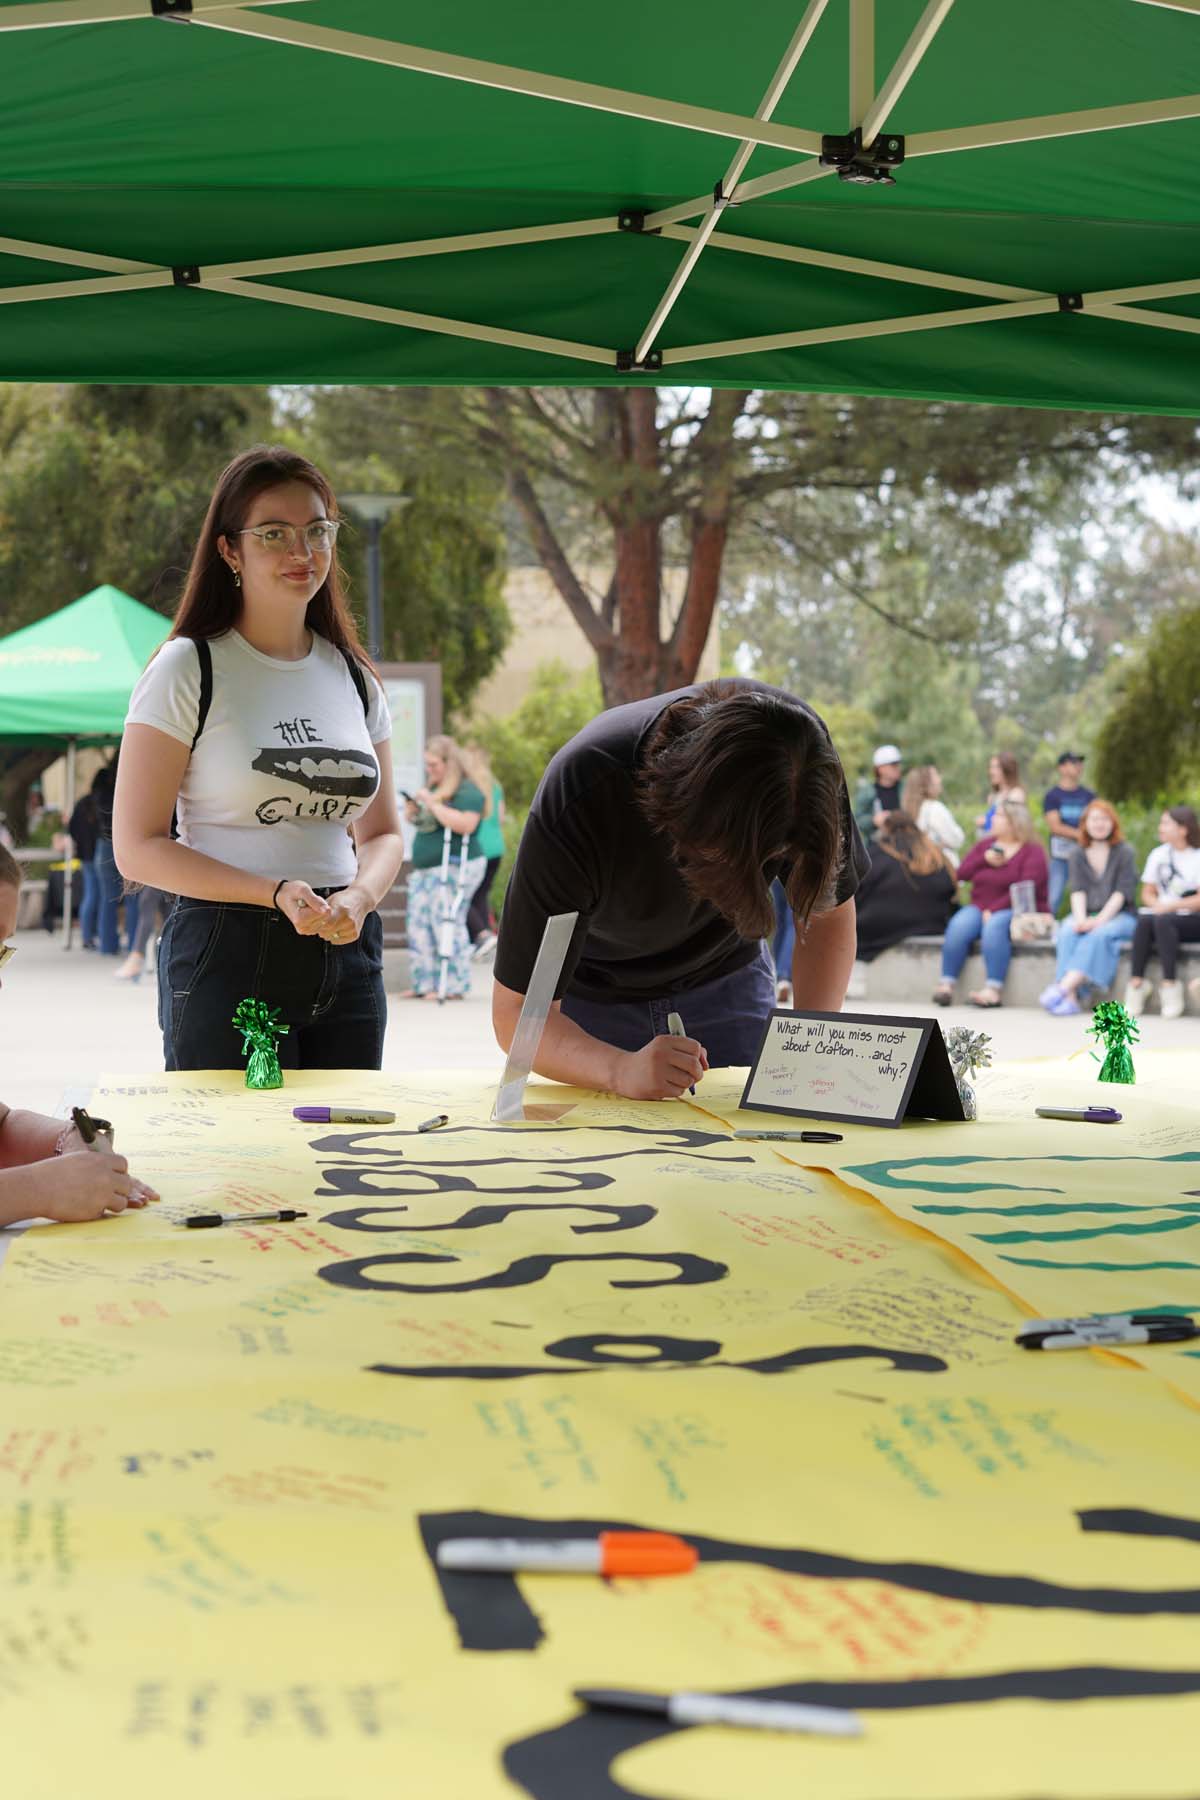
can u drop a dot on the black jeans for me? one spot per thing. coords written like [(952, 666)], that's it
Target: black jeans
[(1163, 932), (478, 913), (329, 995)]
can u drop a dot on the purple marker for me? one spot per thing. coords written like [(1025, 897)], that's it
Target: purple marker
[(341, 1115)]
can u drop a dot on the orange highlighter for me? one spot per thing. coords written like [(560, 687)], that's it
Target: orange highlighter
[(611, 1553)]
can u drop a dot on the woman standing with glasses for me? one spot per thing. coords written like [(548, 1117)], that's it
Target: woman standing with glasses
[(261, 724)]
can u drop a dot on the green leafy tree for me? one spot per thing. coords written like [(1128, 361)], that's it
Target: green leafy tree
[(1149, 742), (105, 484), (444, 553)]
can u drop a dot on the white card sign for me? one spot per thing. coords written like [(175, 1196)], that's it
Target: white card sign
[(855, 1068)]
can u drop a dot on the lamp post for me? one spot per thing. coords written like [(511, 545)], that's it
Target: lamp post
[(374, 510)]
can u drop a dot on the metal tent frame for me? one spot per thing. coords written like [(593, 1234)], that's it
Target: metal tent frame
[(865, 154)]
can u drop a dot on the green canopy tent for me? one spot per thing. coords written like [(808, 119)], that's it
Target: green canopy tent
[(960, 199), (67, 679)]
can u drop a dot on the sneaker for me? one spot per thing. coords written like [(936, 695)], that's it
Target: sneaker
[(1170, 999), (1137, 996), (484, 946), (1050, 997), (1064, 1006)]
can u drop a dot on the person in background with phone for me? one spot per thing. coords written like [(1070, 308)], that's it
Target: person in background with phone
[(46, 1169), (992, 866), (1170, 912)]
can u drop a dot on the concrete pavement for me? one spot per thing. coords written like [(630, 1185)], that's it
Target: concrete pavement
[(64, 1021)]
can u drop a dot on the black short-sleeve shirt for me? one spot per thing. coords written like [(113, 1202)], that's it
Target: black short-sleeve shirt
[(587, 848)]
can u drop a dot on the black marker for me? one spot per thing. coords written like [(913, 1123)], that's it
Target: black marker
[(200, 1220), (791, 1137), (90, 1129), (1103, 1337)]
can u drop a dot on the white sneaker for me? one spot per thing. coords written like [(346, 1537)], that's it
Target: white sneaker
[(1137, 996), (485, 946), (1170, 999)]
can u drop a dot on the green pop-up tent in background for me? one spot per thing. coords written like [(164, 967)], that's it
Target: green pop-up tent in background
[(67, 679)]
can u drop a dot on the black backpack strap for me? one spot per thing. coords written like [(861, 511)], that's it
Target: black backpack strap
[(357, 677), (204, 658)]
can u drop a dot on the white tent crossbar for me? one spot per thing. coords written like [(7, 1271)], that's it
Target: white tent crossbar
[(857, 265), (415, 248), (801, 38), (1053, 125), (302, 36), (83, 259), (795, 175), (82, 290), (1135, 315), (47, 13), (903, 69), (873, 328), (862, 57), (414, 321)]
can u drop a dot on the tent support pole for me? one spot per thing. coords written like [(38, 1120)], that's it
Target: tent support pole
[(862, 58), (516, 81), (903, 69), (724, 192), (68, 872), (875, 328), (43, 13)]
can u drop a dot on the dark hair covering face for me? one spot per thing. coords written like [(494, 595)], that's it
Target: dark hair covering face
[(738, 779)]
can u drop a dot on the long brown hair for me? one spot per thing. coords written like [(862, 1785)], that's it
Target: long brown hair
[(210, 603), (738, 778), (1010, 773), (918, 787), (900, 836), (1185, 816)]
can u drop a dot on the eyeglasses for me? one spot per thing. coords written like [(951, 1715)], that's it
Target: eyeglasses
[(319, 537), (7, 952)]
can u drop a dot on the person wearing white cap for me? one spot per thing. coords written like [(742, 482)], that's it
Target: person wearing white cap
[(875, 799)]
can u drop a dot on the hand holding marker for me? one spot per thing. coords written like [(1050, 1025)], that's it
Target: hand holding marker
[(675, 1027)]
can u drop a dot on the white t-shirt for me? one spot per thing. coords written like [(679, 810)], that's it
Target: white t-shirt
[(285, 761), (1186, 874), (938, 822)]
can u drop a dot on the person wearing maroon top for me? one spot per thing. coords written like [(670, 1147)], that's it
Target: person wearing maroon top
[(1011, 854)]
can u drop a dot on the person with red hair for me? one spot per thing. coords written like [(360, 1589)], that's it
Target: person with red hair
[(1102, 881)]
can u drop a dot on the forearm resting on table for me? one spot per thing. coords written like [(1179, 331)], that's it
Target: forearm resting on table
[(27, 1137), (823, 959), (566, 1053)]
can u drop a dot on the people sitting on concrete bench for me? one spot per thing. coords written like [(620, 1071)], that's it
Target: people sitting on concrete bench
[(1011, 854), (1102, 882), (908, 891), (1170, 912)]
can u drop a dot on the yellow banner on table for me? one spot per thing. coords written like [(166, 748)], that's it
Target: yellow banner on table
[(228, 1456)]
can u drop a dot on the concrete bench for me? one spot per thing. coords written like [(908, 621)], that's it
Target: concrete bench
[(911, 971)]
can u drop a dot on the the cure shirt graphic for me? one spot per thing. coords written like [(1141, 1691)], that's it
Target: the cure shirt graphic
[(285, 763)]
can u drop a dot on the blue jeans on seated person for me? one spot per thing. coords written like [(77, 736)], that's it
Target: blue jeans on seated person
[(962, 932), (727, 1016), (1095, 953), (330, 996), (1057, 883)]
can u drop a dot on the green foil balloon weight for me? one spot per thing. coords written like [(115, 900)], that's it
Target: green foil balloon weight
[(259, 1026), (1116, 1030)]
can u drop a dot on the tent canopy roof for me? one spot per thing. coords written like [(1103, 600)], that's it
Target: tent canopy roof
[(155, 167), (71, 674)]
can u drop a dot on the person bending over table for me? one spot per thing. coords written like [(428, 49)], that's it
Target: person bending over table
[(46, 1169), (663, 824), (992, 866), (289, 835)]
